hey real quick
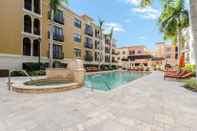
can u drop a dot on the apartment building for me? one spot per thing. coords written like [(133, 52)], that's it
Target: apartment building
[(166, 54), (25, 35), (134, 56)]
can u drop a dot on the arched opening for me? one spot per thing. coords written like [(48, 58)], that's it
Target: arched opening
[(26, 47), (27, 24), (37, 6), (28, 4), (36, 48), (37, 26)]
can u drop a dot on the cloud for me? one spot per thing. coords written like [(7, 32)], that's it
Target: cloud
[(134, 2), (117, 27), (147, 13)]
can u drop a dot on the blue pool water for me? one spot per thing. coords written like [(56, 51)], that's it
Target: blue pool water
[(110, 80)]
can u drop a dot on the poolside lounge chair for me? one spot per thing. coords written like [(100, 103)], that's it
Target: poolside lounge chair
[(181, 75), (91, 69)]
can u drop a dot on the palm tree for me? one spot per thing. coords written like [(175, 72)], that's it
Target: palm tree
[(53, 6), (193, 22), (111, 41), (193, 18), (173, 19), (101, 23)]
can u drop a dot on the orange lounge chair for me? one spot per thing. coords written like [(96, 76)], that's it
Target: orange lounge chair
[(181, 75)]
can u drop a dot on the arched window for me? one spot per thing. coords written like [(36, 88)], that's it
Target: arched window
[(36, 48), (26, 47), (37, 26), (27, 24), (37, 6), (28, 4)]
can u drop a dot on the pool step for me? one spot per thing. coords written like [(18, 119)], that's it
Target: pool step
[(45, 89)]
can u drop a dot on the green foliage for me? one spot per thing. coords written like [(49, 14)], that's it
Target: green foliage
[(17, 73), (191, 84), (37, 73), (173, 19), (190, 67)]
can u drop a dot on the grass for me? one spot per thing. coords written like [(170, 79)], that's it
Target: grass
[(191, 84)]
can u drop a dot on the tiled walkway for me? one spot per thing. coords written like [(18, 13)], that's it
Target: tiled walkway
[(147, 104)]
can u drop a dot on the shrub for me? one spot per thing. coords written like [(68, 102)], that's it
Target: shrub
[(191, 84), (191, 68), (18, 73), (34, 66), (37, 73)]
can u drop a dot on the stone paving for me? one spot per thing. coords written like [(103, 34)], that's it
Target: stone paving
[(147, 104)]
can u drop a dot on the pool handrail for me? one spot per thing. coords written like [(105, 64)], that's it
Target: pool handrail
[(9, 77)]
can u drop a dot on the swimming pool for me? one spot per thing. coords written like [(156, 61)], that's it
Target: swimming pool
[(110, 80)]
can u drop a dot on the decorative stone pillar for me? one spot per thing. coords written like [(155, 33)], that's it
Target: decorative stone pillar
[(78, 71)]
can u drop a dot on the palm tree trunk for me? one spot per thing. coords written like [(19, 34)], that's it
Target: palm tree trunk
[(193, 12), (51, 41)]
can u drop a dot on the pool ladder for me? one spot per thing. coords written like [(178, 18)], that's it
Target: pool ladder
[(9, 77)]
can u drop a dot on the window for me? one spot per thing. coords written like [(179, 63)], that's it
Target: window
[(132, 52), (77, 23), (123, 52), (57, 52), (77, 37), (37, 26), (97, 33), (77, 52), (97, 45), (88, 56), (139, 52), (58, 34), (59, 17), (36, 48), (28, 4), (37, 6), (88, 30), (168, 56), (27, 24), (88, 43), (26, 47)]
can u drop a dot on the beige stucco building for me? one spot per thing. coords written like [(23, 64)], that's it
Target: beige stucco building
[(25, 36)]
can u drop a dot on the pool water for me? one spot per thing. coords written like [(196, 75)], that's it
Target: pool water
[(110, 80)]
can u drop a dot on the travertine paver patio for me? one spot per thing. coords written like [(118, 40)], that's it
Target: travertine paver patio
[(147, 104)]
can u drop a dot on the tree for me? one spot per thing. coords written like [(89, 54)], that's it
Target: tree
[(101, 23), (53, 6), (173, 19), (111, 41)]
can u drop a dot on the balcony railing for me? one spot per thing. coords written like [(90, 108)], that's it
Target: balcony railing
[(58, 56), (89, 30), (58, 37), (88, 45), (89, 58)]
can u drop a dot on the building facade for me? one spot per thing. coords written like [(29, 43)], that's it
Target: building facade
[(134, 56), (166, 54), (25, 35)]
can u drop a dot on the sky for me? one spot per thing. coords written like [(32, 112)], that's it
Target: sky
[(132, 25)]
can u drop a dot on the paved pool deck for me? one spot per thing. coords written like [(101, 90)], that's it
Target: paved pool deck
[(147, 104)]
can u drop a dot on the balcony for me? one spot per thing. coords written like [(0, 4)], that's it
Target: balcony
[(89, 58), (88, 45), (59, 17), (58, 56), (107, 50), (59, 38), (58, 34), (89, 30)]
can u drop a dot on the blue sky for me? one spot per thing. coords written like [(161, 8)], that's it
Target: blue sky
[(133, 25)]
